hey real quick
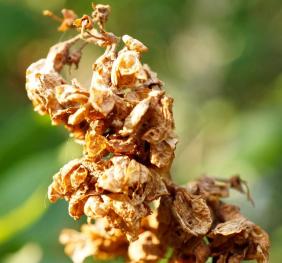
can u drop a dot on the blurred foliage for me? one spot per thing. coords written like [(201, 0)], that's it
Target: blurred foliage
[(220, 60)]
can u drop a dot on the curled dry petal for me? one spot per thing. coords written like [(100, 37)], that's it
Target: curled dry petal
[(192, 213), (156, 187), (124, 173), (127, 69), (102, 99), (95, 207), (39, 84), (161, 121), (134, 118), (67, 180), (95, 144), (209, 187), (119, 210), (239, 239), (134, 44), (77, 117), (183, 220), (78, 177), (58, 55), (214, 189), (128, 215), (61, 184), (77, 202), (65, 103), (161, 154), (71, 95), (122, 146)]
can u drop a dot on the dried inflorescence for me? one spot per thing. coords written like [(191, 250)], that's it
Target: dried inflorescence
[(125, 123)]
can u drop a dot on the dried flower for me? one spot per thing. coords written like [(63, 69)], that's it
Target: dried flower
[(239, 239), (124, 121)]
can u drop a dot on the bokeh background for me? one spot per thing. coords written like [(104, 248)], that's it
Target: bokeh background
[(221, 61)]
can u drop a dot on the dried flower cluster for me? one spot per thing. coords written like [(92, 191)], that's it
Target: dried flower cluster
[(122, 181)]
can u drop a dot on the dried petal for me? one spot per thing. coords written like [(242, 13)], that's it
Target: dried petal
[(71, 95), (68, 180), (122, 146), (134, 44), (77, 202), (102, 99), (156, 188), (127, 69), (61, 185), (78, 176), (77, 117), (161, 154), (209, 187), (124, 173), (161, 121), (239, 239), (213, 189), (192, 213), (119, 210), (95, 207), (133, 120), (95, 144)]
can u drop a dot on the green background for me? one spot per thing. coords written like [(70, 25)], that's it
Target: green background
[(222, 62)]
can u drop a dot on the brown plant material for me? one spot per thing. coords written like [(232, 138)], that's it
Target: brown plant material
[(67, 21), (124, 120), (99, 240), (235, 238)]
